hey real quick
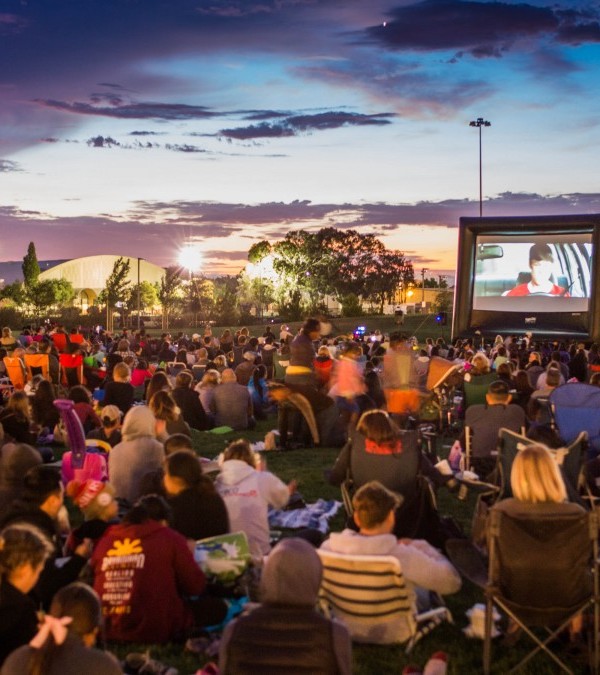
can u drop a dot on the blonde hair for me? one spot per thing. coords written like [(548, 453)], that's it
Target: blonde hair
[(535, 476), (19, 404), (122, 371), (372, 504), (481, 362)]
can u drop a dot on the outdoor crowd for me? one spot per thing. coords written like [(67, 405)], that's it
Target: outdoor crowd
[(127, 573)]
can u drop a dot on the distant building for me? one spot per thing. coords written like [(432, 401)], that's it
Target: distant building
[(88, 275)]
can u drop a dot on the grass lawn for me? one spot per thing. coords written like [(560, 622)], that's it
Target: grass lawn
[(307, 467)]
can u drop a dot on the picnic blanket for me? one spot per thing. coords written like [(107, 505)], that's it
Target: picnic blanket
[(315, 516)]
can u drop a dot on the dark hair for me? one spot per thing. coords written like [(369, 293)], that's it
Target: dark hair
[(539, 252), (22, 544), (79, 394), (40, 482), (178, 442), (186, 467), (15, 463), (311, 325), (150, 507), (158, 381), (377, 426), (82, 604)]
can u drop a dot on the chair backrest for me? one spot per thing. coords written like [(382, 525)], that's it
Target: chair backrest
[(174, 367), (540, 557), (60, 341), (476, 388), (369, 595), (576, 408), (37, 364), (71, 367), (15, 369), (198, 372), (509, 445)]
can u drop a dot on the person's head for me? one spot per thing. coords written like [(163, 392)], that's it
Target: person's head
[(157, 382), (227, 376), (23, 552), (535, 476), (352, 350), (541, 262), (123, 345), (177, 443), (43, 488), (150, 507), (595, 380), (184, 379), (139, 421), (374, 507), (480, 363), (312, 328), (291, 574), (79, 394), (498, 393), (121, 372), (377, 426), (552, 377), (95, 499), (15, 461), (504, 371), (110, 417), (45, 391), (81, 603), (324, 352), (163, 405), (18, 403), (521, 380), (210, 378), (220, 361), (240, 450), (183, 472)]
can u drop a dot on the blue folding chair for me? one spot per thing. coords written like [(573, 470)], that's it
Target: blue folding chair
[(576, 408)]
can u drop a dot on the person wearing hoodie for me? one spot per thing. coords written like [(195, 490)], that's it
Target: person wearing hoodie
[(138, 453), (143, 572), (247, 494), (423, 566), (285, 634)]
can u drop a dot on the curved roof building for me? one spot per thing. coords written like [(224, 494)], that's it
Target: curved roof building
[(88, 275)]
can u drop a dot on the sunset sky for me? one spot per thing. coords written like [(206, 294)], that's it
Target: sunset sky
[(136, 127)]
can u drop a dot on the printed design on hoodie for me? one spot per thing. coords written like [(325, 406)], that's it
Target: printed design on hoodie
[(119, 565)]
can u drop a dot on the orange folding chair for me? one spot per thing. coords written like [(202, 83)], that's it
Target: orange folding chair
[(37, 364), (15, 369)]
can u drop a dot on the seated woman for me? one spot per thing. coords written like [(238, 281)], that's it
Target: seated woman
[(248, 492), (45, 414), (155, 572), (110, 431), (378, 450), (257, 386), (16, 419), (169, 419), (119, 391), (7, 341), (198, 510), (23, 551), (83, 408), (64, 644), (159, 381)]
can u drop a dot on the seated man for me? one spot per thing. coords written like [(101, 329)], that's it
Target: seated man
[(485, 421), (285, 632), (424, 567), (541, 264), (231, 404)]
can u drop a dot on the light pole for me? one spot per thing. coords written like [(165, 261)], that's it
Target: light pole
[(480, 122), (423, 273)]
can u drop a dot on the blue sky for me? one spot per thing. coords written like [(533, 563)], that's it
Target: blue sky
[(136, 127)]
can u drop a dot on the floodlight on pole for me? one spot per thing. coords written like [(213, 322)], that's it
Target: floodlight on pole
[(190, 258), (480, 122)]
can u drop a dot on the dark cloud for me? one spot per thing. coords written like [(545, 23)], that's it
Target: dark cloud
[(102, 142), (147, 110), (7, 165), (296, 124), (184, 148), (146, 133)]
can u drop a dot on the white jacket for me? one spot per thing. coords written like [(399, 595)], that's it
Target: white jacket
[(247, 494)]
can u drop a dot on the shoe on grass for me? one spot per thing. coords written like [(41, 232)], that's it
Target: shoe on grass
[(137, 663)]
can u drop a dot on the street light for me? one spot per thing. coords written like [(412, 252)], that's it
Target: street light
[(423, 273), (480, 122)]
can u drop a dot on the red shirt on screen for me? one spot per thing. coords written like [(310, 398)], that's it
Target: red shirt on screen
[(523, 289)]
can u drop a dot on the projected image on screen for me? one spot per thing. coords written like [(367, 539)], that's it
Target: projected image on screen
[(535, 273)]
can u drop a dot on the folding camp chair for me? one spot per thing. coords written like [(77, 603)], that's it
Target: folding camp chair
[(569, 459), (476, 386), (296, 406), (60, 342), (37, 364), (543, 572), (15, 370), (175, 367), (198, 372), (442, 378), (71, 369), (369, 595), (576, 408)]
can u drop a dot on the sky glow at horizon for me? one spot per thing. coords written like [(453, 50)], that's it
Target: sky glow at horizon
[(135, 127)]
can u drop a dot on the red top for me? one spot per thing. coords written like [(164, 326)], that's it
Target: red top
[(523, 289), (140, 573)]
